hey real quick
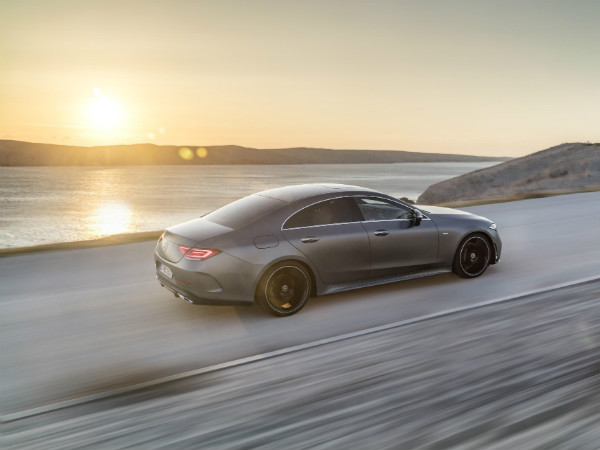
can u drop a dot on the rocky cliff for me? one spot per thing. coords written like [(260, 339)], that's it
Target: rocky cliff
[(564, 168)]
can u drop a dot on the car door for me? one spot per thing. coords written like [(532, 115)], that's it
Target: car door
[(332, 237), (397, 244)]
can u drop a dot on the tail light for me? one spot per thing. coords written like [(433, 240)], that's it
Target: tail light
[(197, 254)]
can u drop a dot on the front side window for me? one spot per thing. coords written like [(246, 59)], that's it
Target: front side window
[(339, 210), (375, 209)]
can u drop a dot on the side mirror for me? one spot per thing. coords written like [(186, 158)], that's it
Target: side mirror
[(417, 217)]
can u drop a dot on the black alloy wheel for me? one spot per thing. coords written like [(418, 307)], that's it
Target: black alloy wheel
[(284, 289), (472, 257)]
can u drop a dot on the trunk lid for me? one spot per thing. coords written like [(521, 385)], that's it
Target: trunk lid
[(187, 234)]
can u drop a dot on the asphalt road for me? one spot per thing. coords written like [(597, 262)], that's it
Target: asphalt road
[(518, 374), (83, 321)]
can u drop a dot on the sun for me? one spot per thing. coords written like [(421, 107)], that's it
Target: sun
[(104, 113)]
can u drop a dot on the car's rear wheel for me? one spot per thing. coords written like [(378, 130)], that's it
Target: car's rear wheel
[(472, 256), (284, 289)]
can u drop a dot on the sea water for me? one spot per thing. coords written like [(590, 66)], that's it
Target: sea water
[(40, 205)]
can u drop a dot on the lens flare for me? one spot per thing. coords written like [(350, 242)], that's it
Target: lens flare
[(201, 152), (186, 154)]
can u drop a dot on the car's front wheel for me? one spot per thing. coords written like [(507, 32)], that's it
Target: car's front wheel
[(284, 289), (472, 256)]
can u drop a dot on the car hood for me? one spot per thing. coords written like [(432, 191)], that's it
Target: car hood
[(439, 211), (442, 212)]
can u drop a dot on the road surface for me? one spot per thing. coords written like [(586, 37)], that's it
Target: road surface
[(84, 321), (518, 374)]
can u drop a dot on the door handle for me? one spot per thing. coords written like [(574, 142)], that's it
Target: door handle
[(381, 233), (309, 239)]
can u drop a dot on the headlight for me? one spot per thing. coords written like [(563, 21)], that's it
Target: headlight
[(492, 226)]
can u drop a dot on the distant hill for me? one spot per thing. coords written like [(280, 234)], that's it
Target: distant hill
[(564, 168), (18, 153)]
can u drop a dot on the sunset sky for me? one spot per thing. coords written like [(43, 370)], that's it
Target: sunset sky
[(468, 76)]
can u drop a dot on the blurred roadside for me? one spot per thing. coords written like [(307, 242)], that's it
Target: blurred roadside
[(523, 374)]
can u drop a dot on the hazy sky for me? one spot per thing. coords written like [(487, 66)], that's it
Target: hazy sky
[(481, 77)]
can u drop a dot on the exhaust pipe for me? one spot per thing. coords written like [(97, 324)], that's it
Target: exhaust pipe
[(177, 294), (183, 298)]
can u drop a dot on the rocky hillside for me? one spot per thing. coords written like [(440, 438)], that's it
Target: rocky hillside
[(564, 168)]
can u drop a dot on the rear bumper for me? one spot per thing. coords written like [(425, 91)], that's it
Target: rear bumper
[(192, 298), (222, 280)]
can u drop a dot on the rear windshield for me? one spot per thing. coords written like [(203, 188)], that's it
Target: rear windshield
[(243, 211)]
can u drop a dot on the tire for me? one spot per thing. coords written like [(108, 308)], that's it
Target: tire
[(472, 257), (284, 289)]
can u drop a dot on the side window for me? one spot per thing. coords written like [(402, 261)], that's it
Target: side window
[(380, 209), (339, 210)]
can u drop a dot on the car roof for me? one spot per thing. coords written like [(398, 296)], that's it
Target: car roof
[(300, 191)]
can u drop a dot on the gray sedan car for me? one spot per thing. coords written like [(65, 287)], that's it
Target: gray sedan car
[(283, 245)]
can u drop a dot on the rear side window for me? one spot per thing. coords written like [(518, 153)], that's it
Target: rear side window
[(339, 210), (243, 211)]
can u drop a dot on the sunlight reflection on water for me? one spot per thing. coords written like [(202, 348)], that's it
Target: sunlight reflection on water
[(110, 218)]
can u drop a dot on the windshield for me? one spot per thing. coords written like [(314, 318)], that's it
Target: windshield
[(243, 211)]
